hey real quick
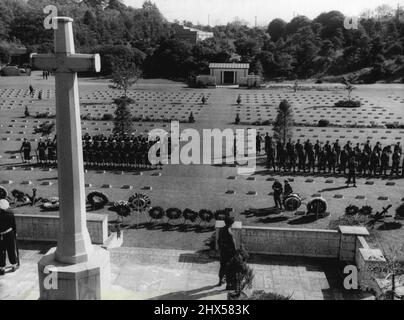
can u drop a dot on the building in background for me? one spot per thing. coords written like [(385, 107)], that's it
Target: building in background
[(229, 73), (191, 35)]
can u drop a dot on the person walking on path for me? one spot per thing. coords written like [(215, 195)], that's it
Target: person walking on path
[(227, 250), (8, 234)]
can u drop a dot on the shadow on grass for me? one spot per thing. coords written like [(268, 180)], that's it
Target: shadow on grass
[(303, 220), (333, 189), (272, 219), (261, 212)]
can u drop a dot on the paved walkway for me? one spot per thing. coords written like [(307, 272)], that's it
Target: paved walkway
[(144, 273)]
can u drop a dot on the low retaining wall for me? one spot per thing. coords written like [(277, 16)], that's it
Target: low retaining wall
[(339, 244), (46, 228)]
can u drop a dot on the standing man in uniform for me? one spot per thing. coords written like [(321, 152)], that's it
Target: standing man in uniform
[(351, 171), (41, 149), (8, 234), (278, 192), (396, 163), (258, 141), (26, 150), (385, 159)]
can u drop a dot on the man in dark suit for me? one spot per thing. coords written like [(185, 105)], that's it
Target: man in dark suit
[(8, 233), (26, 150), (227, 249)]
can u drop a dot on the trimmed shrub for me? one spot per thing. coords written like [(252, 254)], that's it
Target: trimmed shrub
[(107, 116), (348, 104), (323, 123)]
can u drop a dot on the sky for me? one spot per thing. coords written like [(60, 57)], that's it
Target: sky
[(224, 11)]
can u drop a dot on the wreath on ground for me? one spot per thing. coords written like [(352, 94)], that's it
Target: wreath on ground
[(3, 193), (156, 213), (206, 215), (173, 213), (97, 199), (50, 204), (20, 196), (190, 215), (122, 208), (317, 205), (139, 201), (351, 210), (365, 211)]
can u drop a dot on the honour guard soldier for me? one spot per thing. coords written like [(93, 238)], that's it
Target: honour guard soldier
[(258, 141), (374, 163), (385, 159), (343, 161), (351, 171), (317, 148), (26, 150), (41, 149), (396, 163)]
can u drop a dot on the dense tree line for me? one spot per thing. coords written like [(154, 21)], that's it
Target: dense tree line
[(300, 48)]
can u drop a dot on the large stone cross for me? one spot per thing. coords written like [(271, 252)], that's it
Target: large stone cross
[(74, 245)]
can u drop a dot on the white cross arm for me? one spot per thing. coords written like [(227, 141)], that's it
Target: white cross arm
[(67, 62)]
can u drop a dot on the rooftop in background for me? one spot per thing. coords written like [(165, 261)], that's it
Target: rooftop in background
[(191, 35), (229, 66)]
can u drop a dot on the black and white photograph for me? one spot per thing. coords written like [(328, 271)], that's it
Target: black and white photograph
[(216, 150)]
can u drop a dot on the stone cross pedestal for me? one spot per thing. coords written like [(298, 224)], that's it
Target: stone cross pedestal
[(80, 266)]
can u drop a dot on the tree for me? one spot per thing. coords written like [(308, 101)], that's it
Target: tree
[(4, 56), (284, 122), (123, 118), (125, 77), (276, 29), (348, 87)]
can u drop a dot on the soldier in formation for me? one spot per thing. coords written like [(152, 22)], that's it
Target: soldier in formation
[(332, 157)]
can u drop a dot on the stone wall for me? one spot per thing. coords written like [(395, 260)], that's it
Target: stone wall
[(291, 242), (46, 227), (340, 244)]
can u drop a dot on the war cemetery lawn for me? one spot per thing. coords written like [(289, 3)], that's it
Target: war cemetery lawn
[(210, 187)]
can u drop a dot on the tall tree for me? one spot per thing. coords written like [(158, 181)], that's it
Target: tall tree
[(284, 122), (276, 28), (125, 77), (123, 118)]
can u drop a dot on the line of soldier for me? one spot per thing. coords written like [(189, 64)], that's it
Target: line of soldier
[(127, 151), (331, 157)]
